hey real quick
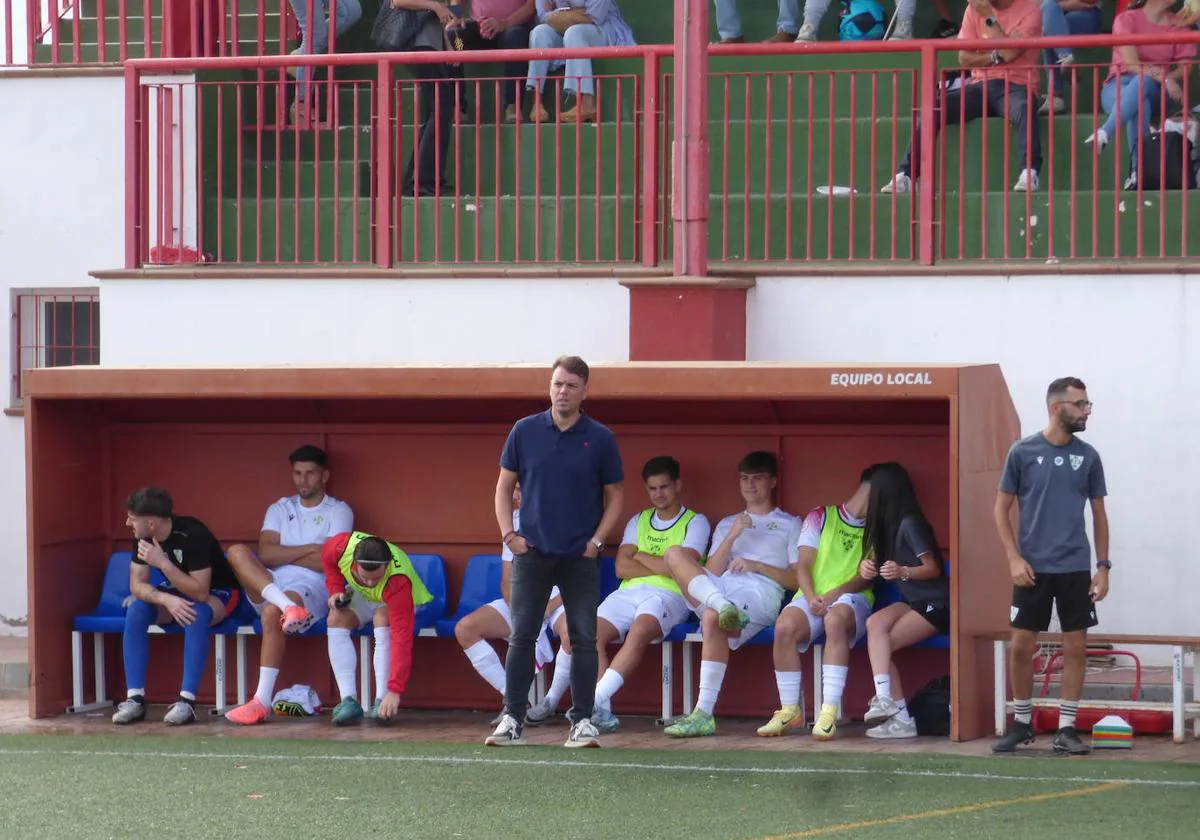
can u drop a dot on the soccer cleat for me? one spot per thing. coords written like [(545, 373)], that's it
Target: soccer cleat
[(1066, 740), (296, 619), (539, 714), (507, 734), (880, 709), (789, 717), (181, 714), (826, 726), (695, 725), (129, 711), (583, 734), (893, 727), (605, 721), (248, 714), (1018, 733), (346, 712), (731, 619)]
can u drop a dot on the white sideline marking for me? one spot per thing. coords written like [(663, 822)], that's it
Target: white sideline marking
[(609, 765)]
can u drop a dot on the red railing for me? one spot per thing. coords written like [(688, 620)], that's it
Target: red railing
[(798, 160), (53, 329)]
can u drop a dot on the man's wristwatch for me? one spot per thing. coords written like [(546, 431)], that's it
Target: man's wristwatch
[(599, 544), (996, 57), (1103, 564)]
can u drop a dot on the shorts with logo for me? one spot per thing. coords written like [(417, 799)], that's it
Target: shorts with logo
[(306, 583), (1069, 592), (624, 606), (228, 597), (936, 614), (756, 596), (856, 601)]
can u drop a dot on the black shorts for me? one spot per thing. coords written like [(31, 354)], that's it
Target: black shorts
[(936, 614), (1070, 592)]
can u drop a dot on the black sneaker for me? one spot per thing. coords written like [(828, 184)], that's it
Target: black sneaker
[(1066, 740), (945, 29), (1018, 733)]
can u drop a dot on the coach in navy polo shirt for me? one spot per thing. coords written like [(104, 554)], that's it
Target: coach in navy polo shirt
[(570, 473)]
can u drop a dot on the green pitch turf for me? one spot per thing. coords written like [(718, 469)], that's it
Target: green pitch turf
[(143, 786)]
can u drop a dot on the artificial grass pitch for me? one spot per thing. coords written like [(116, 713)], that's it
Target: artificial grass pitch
[(143, 786)]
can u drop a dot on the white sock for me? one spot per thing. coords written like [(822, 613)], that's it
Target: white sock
[(609, 684), (382, 659), (486, 663), (883, 685), (789, 687), (833, 683), (1067, 710), (272, 594), (344, 661), (903, 716), (187, 695), (266, 685), (561, 680), (1023, 711), (706, 593), (712, 674), (135, 692)]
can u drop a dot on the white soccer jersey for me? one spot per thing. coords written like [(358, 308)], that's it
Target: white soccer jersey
[(300, 525), (771, 540)]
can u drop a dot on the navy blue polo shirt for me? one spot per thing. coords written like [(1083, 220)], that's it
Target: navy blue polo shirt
[(562, 475)]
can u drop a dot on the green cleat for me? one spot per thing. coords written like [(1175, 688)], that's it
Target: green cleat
[(695, 725), (732, 619), (347, 712), (373, 715)]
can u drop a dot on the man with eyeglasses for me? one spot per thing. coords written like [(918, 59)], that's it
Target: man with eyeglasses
[(370, 579), (1051, 475)]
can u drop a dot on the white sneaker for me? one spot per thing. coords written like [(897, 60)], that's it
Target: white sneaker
[(583, 734), (540, 713), (899, 185), (1053, 105), (507, 734), (180, 714), (807, 34), (894, 728), (129, 711), (1099, 137), (880, 709), (1027, 182), (902, 31)]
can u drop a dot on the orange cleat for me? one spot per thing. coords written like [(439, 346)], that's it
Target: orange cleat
[(248, 714), (296, 619)]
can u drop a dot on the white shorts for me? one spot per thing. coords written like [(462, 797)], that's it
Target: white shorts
[(306, 583), (363, 609), (816, 624), (755, 596), (559, 611), (501, 606), (622, 608)]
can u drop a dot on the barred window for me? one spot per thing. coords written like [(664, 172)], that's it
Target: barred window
[(53, 328)]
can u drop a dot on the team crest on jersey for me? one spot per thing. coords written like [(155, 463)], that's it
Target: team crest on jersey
[(178, 552), (848, 542), (772, 526), (1076, 461)]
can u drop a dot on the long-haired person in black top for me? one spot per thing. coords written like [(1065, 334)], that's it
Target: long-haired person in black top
[(899, 545)]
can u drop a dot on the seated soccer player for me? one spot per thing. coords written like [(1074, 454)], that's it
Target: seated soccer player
[(370, 580), (286, 586), (739, 590), (649, 602), (493, 620), (200, 590), (830, 598)]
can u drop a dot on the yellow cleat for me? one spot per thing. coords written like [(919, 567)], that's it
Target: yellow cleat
[(826, 726), (784, 719)]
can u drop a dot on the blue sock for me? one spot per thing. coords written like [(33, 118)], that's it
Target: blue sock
[(136, 647), (195, 648)]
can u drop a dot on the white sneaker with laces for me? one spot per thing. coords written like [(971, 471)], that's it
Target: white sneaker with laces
[(540, 713), (894, 728), (807, 34), (880, 709), (902, 31), (180, 714), (900, 184), (583, 734), (507, 734), (129, 711), (1027, 182)]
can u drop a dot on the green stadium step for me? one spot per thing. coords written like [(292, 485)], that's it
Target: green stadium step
[(133, 8), (89, 53), (135, 31)]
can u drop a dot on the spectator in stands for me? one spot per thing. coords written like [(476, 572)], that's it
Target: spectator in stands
[(1003, 82), (1138, 77), (198, 592), (494, 621), (830, 598), (729, 22), (1052, 475), (739, 590), (314, 35), (285, 583), (502, 25), (370, 580), (649, 602), (570, 472), (1065, 17), (899, 546), (574, 24)]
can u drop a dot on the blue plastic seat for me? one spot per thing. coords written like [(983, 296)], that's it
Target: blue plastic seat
[(481, 585)]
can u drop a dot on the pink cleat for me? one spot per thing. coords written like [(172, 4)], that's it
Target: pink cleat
[(248, 714), (296, 619)]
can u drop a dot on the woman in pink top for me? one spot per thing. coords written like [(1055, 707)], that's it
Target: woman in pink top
[(1133, 92)]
